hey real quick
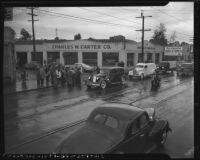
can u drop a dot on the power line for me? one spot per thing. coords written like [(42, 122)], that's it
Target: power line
[(108, 15), (157, 20)]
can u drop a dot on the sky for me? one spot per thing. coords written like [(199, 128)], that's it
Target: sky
[(104, 22)]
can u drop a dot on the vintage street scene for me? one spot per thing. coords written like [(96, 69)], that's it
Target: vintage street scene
[(99, 80)]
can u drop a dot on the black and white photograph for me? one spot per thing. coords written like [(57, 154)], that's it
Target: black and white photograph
[(99, 80)]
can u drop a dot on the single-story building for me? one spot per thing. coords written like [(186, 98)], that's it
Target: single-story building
[(101, 52)]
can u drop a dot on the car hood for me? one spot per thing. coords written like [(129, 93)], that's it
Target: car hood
[(100, 75), (90, 139)]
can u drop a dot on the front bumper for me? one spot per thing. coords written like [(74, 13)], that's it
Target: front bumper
[(88, 83)]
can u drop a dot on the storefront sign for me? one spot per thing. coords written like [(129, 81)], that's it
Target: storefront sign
[(150, 48), (173, 51), (88, 47)]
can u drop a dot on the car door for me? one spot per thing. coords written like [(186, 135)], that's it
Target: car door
[(137, 140), (134, 140), (113, 76)]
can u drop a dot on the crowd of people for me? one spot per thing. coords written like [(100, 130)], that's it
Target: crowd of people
[(58, 75)]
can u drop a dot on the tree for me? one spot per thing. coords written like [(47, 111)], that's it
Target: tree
[(159, 35), (77, 36), (25, 35)]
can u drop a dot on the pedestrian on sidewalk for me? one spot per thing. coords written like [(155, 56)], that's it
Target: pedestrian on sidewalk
[(97, 69), (24, 76), (42, 76), (47, 74), (38, 77), (78, 76)]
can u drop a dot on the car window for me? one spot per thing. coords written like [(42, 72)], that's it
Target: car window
[(100, 118), (143, 121), (111, 122), (134, 127)]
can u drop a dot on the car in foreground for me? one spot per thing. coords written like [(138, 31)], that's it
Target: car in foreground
[(142, 70), (116, 128), (107, 76), (84, 67), (163, 67), (185, 69)]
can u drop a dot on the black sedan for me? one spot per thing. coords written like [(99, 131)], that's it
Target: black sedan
[(116, 128)]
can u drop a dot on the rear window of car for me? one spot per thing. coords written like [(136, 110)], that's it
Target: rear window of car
[(108, 121)]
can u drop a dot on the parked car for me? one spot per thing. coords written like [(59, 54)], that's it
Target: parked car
[(186, 69), (32, 65), (85, 67), (117, 128), (163, 67), (142, 70), (107, 76)]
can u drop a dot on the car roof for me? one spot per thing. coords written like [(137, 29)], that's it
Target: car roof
[(115, 67), (120, 111)]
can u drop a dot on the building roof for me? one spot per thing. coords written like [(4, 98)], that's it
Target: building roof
[(64, 40)]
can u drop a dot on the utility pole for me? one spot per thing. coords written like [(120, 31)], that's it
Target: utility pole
[(32, 20), (56, 32), (142, 16)]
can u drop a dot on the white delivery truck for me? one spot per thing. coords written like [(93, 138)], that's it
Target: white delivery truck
[(142, 70)]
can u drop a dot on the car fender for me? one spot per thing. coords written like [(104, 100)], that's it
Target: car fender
[(159, 126)]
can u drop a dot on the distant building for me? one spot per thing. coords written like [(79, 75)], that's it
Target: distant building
[(101, 52), (9, 65), (187, 50)]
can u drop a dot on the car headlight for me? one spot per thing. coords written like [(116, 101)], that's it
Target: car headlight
[(98, 78), (89, 77)]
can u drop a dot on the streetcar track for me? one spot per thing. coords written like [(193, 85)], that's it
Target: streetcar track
[(69, 125), (105, 97)]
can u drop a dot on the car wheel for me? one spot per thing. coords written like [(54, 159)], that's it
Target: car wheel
[(142, 76), (103, 84), (162, 138)]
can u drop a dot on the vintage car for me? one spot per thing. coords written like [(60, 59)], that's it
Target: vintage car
[(163, 67), (185, 69), (84, 67), (106, 76), (116, 128)]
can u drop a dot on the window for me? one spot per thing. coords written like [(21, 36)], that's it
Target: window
[(143, 121), (70, 58), (111, 122), (100, 118), (149, 57), (110, 58), (130, 59), (134, 127), (90, 58), (37, 56)]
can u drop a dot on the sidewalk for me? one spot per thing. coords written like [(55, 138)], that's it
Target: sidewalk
[(31, 83)]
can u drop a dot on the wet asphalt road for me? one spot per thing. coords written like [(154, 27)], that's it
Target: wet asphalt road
[(43, 106)]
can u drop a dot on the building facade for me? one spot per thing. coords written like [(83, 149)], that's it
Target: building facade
[(9, 65), (101, 52)]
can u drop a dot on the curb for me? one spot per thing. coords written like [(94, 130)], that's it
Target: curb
[(28, 90)]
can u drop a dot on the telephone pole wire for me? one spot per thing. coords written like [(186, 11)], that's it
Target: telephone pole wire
[(32, 20), (142, 16)]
